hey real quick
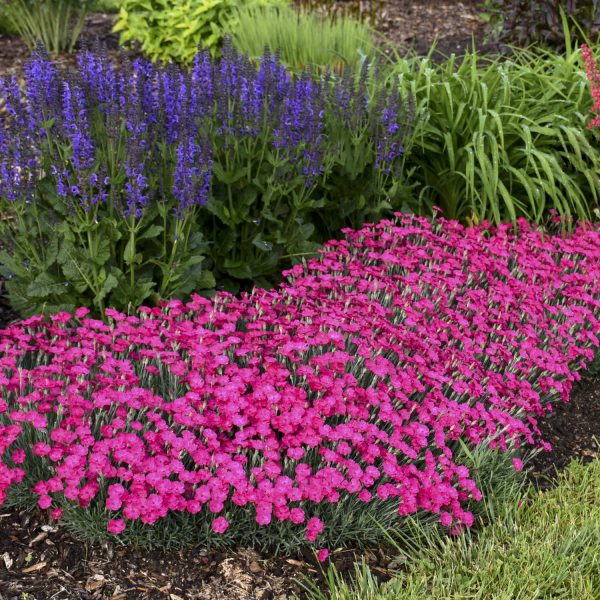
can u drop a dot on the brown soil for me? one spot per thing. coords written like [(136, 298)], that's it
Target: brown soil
[(573, 429), (451, 25), (13, 52)]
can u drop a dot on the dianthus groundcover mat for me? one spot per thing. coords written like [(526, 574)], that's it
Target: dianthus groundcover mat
[(356, 378)]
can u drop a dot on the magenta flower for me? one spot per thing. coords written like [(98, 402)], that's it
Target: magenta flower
[(322, 554), (446, 519), (593, 74), (313, 528), (220, 525), (18, 456)]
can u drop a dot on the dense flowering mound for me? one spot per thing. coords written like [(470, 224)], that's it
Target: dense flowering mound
[(356, 377)]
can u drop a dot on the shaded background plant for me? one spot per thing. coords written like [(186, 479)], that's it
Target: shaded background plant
[(174, 29), (364, 10), (525, 22)]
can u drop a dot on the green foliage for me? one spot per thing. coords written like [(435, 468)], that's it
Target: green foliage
[(6, 25), (61, 257), (546, 545), (108, 6), (173, 29), (55, 23), (501, 139), (546, 22), (303, 38)]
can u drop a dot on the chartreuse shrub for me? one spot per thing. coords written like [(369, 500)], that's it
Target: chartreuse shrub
[(55, 23), (125, 185), (500, 139), (545, 545), (394, 375), (546, 22), (6, 27), (303, 38), (174, 29)]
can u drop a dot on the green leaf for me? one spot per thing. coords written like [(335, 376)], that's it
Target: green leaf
[(110, 283), (101, 252), (230, 176), (238, 269), (44, 286), (262, 244), (130, 256), (151, 232)]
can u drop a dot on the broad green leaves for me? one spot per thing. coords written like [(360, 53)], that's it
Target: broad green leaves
[(98, 260)]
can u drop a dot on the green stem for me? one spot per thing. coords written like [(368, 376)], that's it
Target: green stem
[(179, 230), (132, 230)]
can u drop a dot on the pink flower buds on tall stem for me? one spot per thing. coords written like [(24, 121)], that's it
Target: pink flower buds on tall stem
[(593, 74)]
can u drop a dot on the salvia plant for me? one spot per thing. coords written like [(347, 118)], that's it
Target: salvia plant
[(347, 391), (123, 185), (55, 23)]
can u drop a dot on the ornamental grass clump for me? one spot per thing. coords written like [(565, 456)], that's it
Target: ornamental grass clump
[(55, 23), (304, 38), (503, 138), (122, 185), (345, 393)]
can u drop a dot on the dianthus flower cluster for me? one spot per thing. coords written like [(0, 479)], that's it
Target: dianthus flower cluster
[(356, 377)]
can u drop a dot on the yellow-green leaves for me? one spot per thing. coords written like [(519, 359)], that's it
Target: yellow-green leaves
[(173, 30)]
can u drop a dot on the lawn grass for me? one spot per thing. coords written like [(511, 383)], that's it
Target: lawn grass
[(545, 546)]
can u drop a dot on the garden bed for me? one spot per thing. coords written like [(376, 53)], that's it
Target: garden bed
[(407, 24), (41, 559)]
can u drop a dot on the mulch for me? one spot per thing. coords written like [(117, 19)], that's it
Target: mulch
[(40, 560)]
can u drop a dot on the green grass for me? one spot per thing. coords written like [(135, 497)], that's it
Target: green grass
[(545, 546), (303, 38)]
